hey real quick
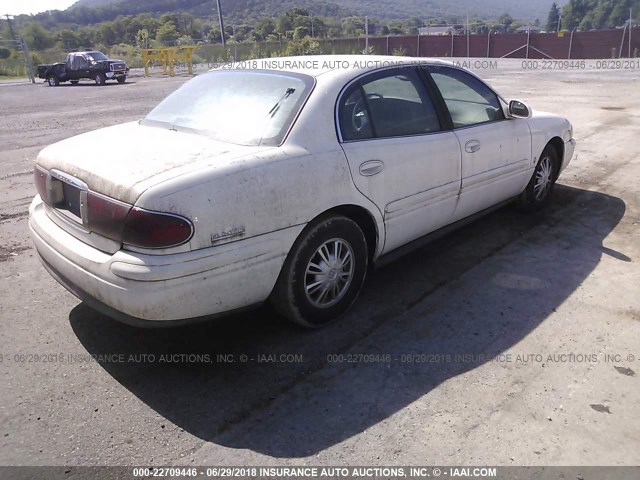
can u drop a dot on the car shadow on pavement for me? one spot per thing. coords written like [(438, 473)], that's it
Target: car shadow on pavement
[(92, 84), (251, 381)]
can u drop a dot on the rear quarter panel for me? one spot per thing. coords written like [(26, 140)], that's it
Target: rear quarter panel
[(282, 188)]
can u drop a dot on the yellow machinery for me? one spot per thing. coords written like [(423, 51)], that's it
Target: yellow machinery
[(168, 57)]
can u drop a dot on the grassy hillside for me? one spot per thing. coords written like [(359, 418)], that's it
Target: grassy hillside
[(238, 10)]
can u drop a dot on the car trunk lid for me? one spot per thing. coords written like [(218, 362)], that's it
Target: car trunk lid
[(125, 160), (121, 163)]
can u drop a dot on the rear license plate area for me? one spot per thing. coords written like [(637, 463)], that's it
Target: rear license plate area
[(71, 201)]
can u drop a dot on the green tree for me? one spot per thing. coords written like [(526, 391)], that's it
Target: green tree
[(505, 21), (37, 37), (142, 38), (213, 35), (284, 24), (184, 40), (306, 46), (575, 11), (69, 40), (265, 27), (167, 34), (105, 35), (297, 12), (300, 32), (553, 19)]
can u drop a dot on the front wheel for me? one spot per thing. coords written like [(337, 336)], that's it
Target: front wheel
[(323, 273), (121, 79), (540, 188), (53, 81), (75, 82), (100, 79)]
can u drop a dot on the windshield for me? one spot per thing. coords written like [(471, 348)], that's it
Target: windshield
[(97, 56), (241, 107)]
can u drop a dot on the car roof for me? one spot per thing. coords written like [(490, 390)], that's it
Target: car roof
[(331, 65)]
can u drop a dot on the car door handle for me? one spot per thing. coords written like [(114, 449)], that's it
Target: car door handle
[(372, 167), (472, 146)]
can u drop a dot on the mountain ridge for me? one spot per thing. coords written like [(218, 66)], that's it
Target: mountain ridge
[(238, 10)]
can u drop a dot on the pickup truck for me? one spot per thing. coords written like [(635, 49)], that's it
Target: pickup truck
[(93, 65)]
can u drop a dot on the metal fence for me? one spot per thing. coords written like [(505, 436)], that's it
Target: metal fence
[(600, 44)]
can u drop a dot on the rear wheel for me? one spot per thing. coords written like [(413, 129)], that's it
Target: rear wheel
[(100, 79), (122, 79), (540, 188), (323, 273), (53, 81), (75, 82)]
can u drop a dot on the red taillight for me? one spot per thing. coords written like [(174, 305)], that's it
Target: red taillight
[(106, 216), (135, 226), (117, 220), (147, 229)]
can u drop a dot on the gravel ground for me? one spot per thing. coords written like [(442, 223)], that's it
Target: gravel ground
[(513, 341)]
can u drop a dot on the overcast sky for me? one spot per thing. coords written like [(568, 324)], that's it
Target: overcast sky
[(16, 7)]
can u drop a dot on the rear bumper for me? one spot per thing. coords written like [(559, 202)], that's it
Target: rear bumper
[(121, 316), (177, 288)]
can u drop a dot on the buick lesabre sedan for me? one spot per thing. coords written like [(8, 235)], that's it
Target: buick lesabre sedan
[(287, 184)]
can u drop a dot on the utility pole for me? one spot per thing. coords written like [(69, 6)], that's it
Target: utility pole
[(630, 28), (24, 48), (27, 59), (13, 35), (366, 35), (221, 23), (467, 36)]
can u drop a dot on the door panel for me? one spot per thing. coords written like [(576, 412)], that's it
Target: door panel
[(398, 155), (417, 189), (497, 168), (496, 151)]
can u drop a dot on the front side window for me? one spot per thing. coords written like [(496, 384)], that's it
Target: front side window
[(469, 100), (388, 104), (241, 106), (79, 63)]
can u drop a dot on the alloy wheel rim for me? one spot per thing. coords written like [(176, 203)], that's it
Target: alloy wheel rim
[(329, 273), (543, 179)]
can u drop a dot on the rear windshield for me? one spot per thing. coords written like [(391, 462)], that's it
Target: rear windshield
[(240, 106)]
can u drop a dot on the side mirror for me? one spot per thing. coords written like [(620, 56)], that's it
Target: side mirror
[(518, 109)]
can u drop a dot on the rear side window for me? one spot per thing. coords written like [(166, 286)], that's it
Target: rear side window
[(388, 104), (355, 121), (469, 100)]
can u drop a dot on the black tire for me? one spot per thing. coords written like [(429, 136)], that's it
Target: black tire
[(343, 238), (75, 82), (100, 79), (538, 194), (53, 81), (121, 79)]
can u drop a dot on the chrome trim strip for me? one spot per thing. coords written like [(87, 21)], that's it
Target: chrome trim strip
[(71, 180)]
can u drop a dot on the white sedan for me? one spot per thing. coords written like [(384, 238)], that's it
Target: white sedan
[(284, 182)]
